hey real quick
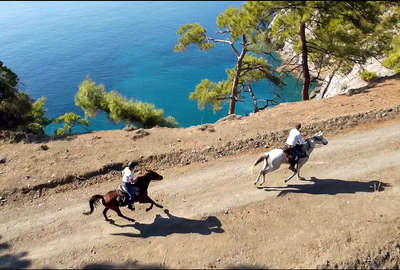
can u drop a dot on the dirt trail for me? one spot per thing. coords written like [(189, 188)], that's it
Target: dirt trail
[(217, 218)]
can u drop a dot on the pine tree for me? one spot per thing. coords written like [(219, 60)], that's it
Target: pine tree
[(332, 35), (239, 30)]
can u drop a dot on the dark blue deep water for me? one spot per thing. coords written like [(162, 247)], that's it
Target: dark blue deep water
[(127, 46)]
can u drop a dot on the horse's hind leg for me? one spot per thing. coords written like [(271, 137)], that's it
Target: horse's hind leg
[(258, 178), (262, 173), (116, 209), (105, 213)]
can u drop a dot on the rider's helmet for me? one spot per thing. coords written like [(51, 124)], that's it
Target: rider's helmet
[(132, 164)]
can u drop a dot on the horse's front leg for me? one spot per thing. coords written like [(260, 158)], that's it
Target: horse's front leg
[(290, 177), (148, 200), (299, 165), (258, 178)]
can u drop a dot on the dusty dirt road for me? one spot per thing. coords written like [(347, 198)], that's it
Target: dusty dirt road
[(349, 206)]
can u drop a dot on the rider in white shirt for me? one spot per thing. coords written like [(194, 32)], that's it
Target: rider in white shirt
[(293, 139), (127, 181)]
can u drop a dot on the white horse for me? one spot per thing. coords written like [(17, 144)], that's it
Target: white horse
[(274, 158)]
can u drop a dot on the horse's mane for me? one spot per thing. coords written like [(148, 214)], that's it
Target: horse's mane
[(144, 177)]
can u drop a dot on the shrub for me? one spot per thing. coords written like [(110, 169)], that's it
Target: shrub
[(367, 75)]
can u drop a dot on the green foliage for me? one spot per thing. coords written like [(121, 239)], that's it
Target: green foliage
[(214, 94), (208, 92), (93, 98), (393, 59), (257, 68), (70, 121), (38, 112), (339, 34), (235, 24), (192, 34), (18, 111), (367, 75)]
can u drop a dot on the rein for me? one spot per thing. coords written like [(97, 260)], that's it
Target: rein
[(308, 142)]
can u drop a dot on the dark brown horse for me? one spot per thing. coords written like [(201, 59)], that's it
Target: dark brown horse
[(109, 200)]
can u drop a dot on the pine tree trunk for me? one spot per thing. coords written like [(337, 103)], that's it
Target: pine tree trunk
[(253, 97), (235, 83), (304, 56)]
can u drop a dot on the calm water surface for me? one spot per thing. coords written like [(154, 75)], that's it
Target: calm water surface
[(127, 46)]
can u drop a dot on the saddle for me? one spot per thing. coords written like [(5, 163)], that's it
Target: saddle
[(123, 195), (289, 151)]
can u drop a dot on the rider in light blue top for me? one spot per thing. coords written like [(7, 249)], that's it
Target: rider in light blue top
[(128, 181)]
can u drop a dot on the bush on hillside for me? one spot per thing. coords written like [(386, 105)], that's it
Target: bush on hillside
[(93, 98), (367, 75)]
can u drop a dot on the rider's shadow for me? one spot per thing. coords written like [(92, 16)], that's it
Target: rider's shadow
[(331, 187), (172, 224)]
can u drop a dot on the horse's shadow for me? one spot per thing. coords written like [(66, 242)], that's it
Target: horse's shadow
[(330, 187), (172, 224)]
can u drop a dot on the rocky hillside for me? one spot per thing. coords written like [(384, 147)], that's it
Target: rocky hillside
[(35, 169)]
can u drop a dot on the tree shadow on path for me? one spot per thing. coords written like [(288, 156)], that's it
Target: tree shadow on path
[(330, 187), (13, 261), (135, 265), (173, 224)]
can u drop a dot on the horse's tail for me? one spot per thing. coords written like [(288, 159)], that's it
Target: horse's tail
[(94, 200), (264, 156)]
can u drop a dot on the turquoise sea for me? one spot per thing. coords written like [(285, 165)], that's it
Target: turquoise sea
[(127, 46)]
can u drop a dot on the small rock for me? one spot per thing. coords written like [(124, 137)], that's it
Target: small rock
[(3, 160), (178, 140), (44, 147), (229, 117), (27, 177), (140, 133), (129, 128)]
